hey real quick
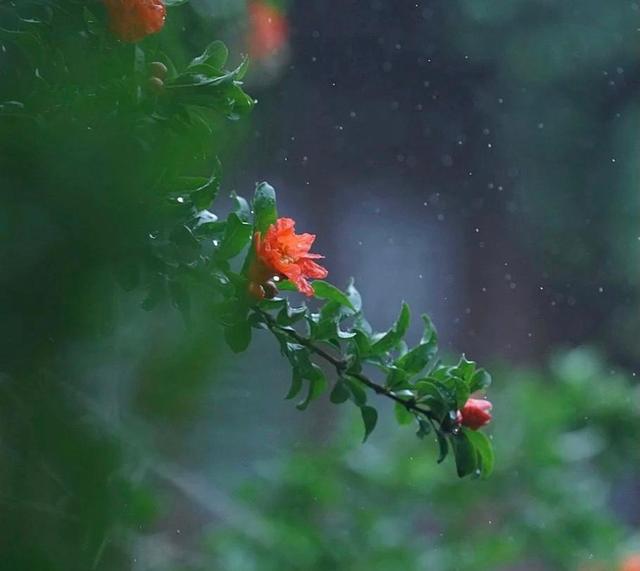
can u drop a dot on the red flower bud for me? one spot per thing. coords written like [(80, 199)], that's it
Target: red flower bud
[(132, 20), (475, 413)]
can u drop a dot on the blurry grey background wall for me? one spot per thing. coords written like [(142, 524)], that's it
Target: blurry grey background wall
[(495, 135)]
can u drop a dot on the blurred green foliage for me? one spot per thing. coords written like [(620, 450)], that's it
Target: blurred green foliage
[(105, 186), (565, 440), (86, 149)]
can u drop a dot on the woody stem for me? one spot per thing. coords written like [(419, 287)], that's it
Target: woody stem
[(340, 366)]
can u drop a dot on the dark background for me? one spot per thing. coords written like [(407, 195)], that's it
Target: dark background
[(471, 158)]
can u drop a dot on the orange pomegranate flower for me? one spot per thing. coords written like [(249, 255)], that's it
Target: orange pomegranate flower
[(132, 20), (283, 253)]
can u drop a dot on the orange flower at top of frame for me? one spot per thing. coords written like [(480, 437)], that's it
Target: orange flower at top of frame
[(133, 20), (283, 253), (268, 30)]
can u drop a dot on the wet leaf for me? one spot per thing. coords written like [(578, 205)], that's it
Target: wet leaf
[(370, 419)]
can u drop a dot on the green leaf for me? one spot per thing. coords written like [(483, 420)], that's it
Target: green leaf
[(325, 326), (484, 450), (296, 385), (419, 357), (242, 69), (215, 55), (340, 393), (317, 385), (480, 381), (202, 190), (242, 209), (264, 206), (354, 296), (390, 339), (424, 428), (286, 285), (361, 346), (459, 389), (403, 416), (464, 369), (443, 446), (238, 336), (465, 454), (325, 290), (434, 396), (370, 419), (289, 315), (237, 235), (357, 394), (397, 378), (174, 3), (182, 236)]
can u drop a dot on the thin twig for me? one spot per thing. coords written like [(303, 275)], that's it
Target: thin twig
[(340, 366)]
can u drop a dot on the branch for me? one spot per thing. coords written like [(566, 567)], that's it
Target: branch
[(340, 366)]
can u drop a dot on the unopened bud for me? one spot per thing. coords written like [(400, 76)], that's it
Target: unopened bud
[(155, 85), (256, 290), (158, 69), (475, 413), (270, 289)]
